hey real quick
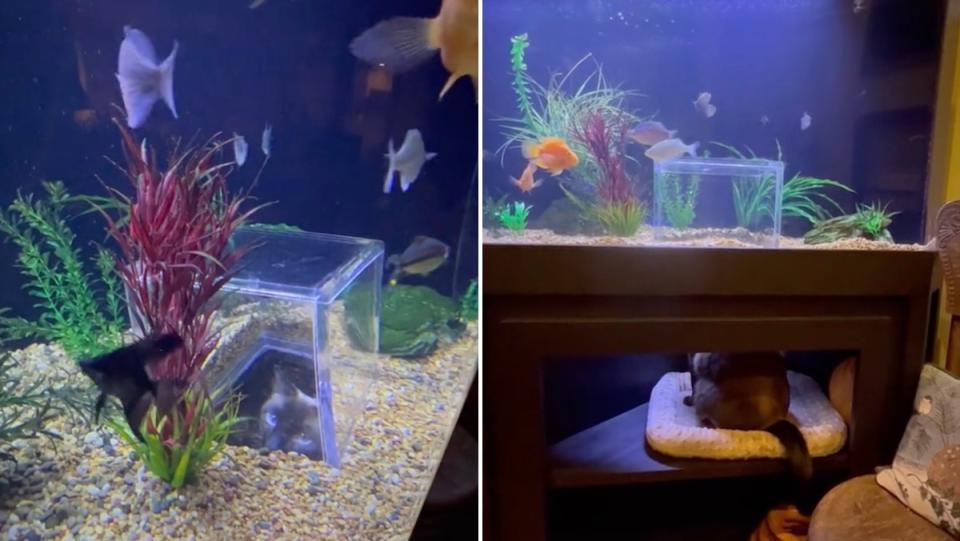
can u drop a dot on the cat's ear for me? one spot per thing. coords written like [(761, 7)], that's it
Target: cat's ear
[(281, 385)]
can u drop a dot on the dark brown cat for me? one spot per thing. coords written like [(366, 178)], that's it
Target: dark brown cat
[(748, 391)]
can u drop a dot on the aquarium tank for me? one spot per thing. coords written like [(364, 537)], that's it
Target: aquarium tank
[(240, 245), (604, 119)]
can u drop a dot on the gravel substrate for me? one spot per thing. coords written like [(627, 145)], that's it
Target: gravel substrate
[(703, 238), (88, 485)]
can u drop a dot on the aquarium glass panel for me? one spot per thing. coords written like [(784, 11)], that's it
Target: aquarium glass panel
[(586, 101), (239, 250)]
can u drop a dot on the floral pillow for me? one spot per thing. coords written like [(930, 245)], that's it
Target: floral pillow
[(926, 471)]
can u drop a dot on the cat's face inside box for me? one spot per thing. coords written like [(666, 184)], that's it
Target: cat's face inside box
[(279, 401)]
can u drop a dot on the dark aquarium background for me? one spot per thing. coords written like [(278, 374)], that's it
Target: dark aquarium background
[(864, 70), (286, 63)]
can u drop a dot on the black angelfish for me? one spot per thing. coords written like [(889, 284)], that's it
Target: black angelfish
[(122, 373)]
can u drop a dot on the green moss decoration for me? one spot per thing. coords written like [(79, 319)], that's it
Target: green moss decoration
[(413, 319)]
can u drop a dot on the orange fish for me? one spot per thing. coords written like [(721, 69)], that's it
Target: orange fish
[(404, 43), (551, 153), (525, 183)]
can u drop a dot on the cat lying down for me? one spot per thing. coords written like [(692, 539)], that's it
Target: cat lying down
[(748, 391)]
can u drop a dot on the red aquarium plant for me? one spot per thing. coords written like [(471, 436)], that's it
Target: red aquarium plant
[(605, 137), (174, 240)]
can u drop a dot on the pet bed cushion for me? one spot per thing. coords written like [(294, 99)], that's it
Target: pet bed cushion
[(926, 471), (673, 428)]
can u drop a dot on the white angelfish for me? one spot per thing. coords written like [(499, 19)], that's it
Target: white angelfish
[(266, 139), (143, 81), (702, 104), (240, 148), (805, 121), (408, 161), (669, 149)]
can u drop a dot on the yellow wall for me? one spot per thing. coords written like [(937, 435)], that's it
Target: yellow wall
[(944, 175)]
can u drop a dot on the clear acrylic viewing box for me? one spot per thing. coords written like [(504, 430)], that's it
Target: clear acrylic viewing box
[(284, 344), (719, 198)]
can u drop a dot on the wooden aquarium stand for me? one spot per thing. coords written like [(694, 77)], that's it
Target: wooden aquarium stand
[(542, 303)]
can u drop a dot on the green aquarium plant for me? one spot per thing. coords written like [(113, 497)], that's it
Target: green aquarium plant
[(518, 47), (680, 199), (801, 197), (616, 206), (173, 234), (469, 302), (178, 443), (514, 217), (78, 311), (868, 222), (553, 110), (24, 409), (492, 208)]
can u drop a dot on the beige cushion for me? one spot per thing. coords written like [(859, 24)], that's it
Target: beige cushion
[(861, 510)]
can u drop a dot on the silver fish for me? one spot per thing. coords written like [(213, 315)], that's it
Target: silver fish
[(408, 161), (143, 81), (650, 132), (240, 148), (423, 256), (669, 149), (805, 121), (702, 104), (266, 139)]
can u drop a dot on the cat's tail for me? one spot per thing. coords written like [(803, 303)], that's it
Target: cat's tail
[(798, 456)]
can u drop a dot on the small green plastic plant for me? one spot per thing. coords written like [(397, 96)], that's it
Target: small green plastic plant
[(81, 313), (469, 302), (621, 219), (552, 110), (874, 220), (518, 46), (178, 444), (869, 222), (680, 200), (492, 208), (514, 217), (23, 410), (801, 197)]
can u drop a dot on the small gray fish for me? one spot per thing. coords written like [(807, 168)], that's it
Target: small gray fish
[(143, 81), (702, 104), (240, 148), (266, 139), (669, 149), (408, 161), (650, 132), (423, 256)]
